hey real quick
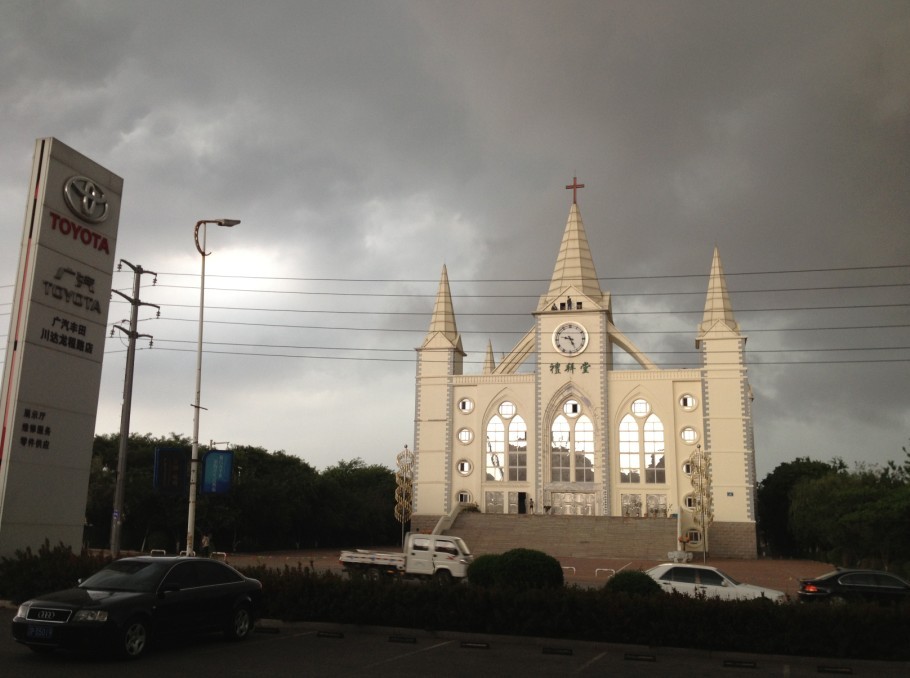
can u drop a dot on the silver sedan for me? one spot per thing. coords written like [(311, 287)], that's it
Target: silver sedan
[(708, 582)]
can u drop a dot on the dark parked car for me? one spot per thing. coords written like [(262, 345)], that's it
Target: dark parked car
[(124, 605), (843, 585)]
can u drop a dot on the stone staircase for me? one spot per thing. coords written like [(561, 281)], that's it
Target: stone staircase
[(567, 536)]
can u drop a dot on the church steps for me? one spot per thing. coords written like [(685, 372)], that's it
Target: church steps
[(568, 536)]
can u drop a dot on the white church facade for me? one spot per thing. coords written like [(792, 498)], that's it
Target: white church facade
[(571, 435)]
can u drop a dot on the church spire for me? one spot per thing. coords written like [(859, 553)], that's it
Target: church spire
[(574, 264), (489, 362), (443, 320), (718, 309)]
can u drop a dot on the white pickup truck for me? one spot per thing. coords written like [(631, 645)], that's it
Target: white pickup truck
[(425, 555)]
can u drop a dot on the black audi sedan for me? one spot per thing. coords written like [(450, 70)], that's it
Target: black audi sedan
[(126, 604), (851, 585)]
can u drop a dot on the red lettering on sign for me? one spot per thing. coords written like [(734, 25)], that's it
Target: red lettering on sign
[(80, 233)]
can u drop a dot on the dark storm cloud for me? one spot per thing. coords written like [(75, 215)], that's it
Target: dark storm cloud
[(379, 140)]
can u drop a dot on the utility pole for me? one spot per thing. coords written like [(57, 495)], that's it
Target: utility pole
[(132, 335)]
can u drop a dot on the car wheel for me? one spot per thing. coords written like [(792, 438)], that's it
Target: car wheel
[(240, 625), (134, 638), (443, 577)]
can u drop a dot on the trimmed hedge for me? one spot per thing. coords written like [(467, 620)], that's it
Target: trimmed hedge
[(601, 615), (614, 613), (516, 569), (29, 574), (633, 582)]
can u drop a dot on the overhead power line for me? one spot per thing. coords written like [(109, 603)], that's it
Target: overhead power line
[(728, 274), (480, 362)]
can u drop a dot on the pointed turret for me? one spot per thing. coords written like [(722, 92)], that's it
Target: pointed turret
[(718, 316), (442, 322), (489, 362), (574, 265)]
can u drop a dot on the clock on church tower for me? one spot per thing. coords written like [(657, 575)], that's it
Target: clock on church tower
[(570, 338)]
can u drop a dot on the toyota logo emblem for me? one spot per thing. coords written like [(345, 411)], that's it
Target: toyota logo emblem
[(86, 199)]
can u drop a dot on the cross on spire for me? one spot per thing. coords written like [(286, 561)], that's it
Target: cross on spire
[(575, 186)]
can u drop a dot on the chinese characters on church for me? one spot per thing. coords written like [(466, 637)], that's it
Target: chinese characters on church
[(569, 368)]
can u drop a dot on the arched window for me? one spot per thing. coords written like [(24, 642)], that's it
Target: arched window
[(572, 447), (655, 467), (629, 451), (495, 454), (518, 449), (510, 462), (584, 450), (560, 466)]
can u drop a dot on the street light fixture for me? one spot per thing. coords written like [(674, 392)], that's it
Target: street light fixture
[(194, 460)]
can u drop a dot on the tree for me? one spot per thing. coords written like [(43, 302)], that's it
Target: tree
[(358, 504), (773, 503), (856, 518)]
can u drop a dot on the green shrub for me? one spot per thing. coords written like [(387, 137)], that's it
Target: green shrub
[(27, 574), (516, 569), (529, 569), (484, 570), (634, 583)]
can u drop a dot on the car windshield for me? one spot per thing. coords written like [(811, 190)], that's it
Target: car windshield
[(128, 575), (462, 546), (732, 579)]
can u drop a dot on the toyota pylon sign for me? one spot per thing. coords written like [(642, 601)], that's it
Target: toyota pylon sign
[(52, 373)]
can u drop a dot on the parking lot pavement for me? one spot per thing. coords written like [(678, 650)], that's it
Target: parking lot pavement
[(348, 651)]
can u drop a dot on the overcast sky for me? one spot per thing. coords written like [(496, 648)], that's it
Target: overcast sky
[(365, 144)]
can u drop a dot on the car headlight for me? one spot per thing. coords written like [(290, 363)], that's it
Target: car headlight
[(23, 610), (90, 616)]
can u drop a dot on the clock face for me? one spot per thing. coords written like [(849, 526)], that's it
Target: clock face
[(570, 339)]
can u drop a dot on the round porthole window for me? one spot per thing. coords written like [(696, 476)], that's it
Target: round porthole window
[(465, 436), (689, 435), (464, 467), (688, 402), (641, 407), (507, 410), (466, 405)]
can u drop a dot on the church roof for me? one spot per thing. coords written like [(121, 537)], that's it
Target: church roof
[(718, 309), (574, 264), (443, 320)]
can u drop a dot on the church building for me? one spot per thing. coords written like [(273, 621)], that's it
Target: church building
[(571, 435)]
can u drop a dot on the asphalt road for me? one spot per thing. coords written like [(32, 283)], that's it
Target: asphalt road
[(323, 650)]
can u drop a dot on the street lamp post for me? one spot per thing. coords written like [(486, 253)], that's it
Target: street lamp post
[(194, 460)]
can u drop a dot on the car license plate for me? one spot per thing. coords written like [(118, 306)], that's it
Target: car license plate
[(40, 632)]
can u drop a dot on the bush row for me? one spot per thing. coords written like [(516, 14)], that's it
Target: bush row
[(618, 613), (602, 615)]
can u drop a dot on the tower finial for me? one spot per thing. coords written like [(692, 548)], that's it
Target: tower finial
[(575, 186)]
